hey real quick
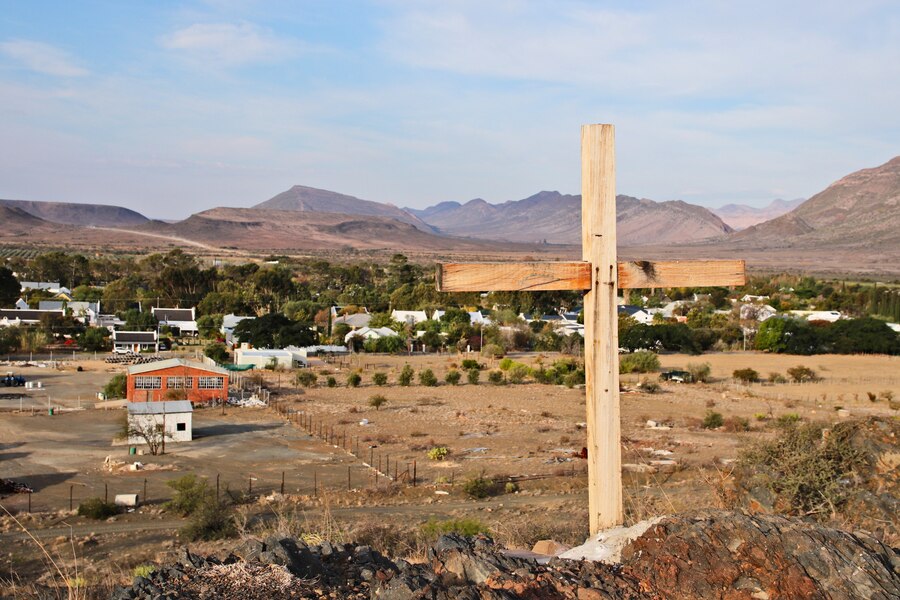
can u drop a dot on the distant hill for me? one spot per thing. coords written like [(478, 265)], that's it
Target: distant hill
[(13, 217), (308, 199), (741, 216), (269, 229), (862, 210), (556, 219), (73, 213)]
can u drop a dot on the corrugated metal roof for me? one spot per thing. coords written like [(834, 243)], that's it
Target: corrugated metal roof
[(173, 314), (134, 336), (174, 362), (157, 408)]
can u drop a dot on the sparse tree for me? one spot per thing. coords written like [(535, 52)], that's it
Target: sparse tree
[(151, 432)]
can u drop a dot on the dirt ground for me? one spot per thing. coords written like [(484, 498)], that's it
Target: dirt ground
[(530, 432)]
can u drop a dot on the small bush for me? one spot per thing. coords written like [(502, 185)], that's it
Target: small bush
[(496, 377), (190, 492), (306, 378), (331, 382), (872, 397), (406, 376), (480, 487), (745, 375), (642, 361), (452, 377), (777, 378), (377, 401), (493, 351), (95, 508), (801, 374), (712, 420), (353, 380), (506, 363), (518, 372), (438, 453), (511, 487), (761, 416), (886, 395), (573, 379), (116, 387), (737, 424), (427, 378), (212, 520), (471, 363), (472, 376), (787, 420), (143, 571), (700, 372), (433, 529), (649, 386), (379, 379)]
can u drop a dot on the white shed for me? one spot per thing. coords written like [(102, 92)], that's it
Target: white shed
[(175, 417)]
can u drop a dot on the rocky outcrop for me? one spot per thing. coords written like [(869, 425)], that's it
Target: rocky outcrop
[(708, 554)]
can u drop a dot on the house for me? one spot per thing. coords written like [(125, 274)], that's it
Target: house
[(135, 341), (475, 317), (109, 321), (10, 317), (174, 417), (637, 313), (368, 333), (86, 312), (169, 379), (409, 317), (355, 321), (818, 315), (52, 287), (752, 298), (757, 312), (21, 305), (229, 322), (307, 351), (261, 359), (182, 319)]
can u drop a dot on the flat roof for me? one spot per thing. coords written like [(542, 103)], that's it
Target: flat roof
[(157, 408)]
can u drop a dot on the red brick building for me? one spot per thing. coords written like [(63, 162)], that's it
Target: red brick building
[(177, 379)]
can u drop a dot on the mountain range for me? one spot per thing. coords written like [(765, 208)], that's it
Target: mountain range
[(741, 216), (69, 213)]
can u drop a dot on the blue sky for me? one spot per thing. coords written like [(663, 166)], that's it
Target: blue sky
[(175, 107)]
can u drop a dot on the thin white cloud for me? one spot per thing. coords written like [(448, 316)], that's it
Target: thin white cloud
[(229, 45), (42, 58)]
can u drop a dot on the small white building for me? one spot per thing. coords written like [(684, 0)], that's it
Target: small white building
[(229, 322), (637, 313), (409, 317), (135, 342), (85, 312), (370, 333), (183, 319), (285, 358), (174, 417), (818, 315), (757, 312)]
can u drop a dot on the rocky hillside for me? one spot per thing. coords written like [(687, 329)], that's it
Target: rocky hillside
[(742, 216), (72, 213), (308, 199), (705, 554), (556, 218), (254, 229), (862, 210)]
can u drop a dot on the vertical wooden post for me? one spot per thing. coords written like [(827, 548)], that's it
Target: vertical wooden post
[(601, 349)]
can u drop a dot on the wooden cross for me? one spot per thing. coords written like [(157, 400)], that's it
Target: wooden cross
[(600, 275)]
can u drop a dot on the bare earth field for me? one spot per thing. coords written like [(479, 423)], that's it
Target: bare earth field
[(530, 433)]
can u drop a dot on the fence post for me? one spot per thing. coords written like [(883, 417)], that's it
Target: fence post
[(106, 493), (348, 481), (414, 473), (145, 490), (71, 492), (315, 483), (249, 485), (217, 486), (282, 483), (29, 501)]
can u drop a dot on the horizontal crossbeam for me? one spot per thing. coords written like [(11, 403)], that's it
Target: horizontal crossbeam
[(576, 275)]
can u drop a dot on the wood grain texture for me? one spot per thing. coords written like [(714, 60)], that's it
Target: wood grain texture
[(576, 275), (601, 327)]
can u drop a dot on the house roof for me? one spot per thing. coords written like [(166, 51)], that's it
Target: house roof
[(231, 321), (173, 314), (39, 285), (157, 408), (354, 320), (138, 337), (174, 362), (630, 309), (75, 306), (26, 315)]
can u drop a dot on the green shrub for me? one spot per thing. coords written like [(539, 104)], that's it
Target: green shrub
[(427, 378), (353, 380), (480, 487), (649, 386), (452, 377), (505, 364), (116, 387), (433, 529), (438, 453), (95, 508), (211, 520), (712, 420), (745, 375), (217, 351), (642, 361), (190, 493), (511, 487), (306, 378), (573, 379), (801, 374), (787, 420), (700, 372), (777, 378), (406, 376), (380, 379), (377, 401), (493, 351), (736, 424), (807, 473), (496, 377), (470, 363), (518, 372), (143, 571), (472, 376), (331, 382)]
